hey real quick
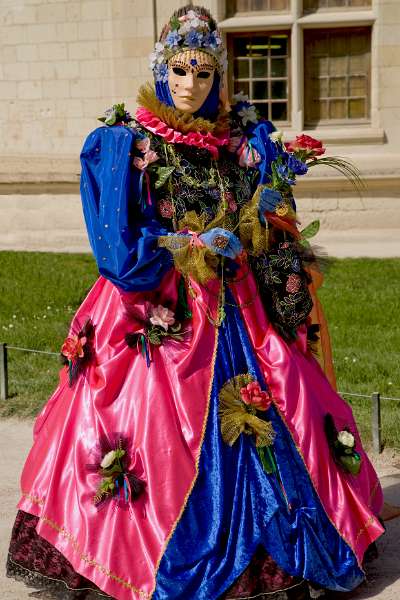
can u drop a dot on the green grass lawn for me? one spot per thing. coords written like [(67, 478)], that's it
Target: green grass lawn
[(39, 293)]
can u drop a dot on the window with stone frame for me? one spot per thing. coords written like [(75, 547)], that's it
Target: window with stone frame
[(245, 6), (259, 66), (313, 5), (337, 67)]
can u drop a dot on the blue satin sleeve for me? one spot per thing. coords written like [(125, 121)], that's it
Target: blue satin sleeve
[(123, 237)]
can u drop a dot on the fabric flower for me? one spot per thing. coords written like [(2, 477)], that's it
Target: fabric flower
[(212, 40), (142, 163), (173, 38), (194, 39), (293, 283), (248, 156), (276, 136), (248, 114), (253, 395), (286, 174), (161, 73), (72, 348), (108, 459), (312, 146), (162, 316), (230, 199), (240, 97), (297, 166), (346, 438), (143, 144), (149, 156)]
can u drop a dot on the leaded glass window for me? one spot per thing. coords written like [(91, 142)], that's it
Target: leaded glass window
[(337, 74), (312, 5), (244, 6), (259, 67)]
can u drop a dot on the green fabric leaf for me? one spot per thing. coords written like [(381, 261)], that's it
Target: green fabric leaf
[(311, 230), (163, 174)]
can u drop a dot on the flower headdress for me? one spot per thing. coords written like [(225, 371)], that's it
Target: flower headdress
[(190, 31)]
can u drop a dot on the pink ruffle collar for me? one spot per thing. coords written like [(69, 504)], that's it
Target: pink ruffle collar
[(194, 138)]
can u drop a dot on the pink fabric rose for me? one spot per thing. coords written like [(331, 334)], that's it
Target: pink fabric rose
[(162, 316), (252, 394), (149, 156)]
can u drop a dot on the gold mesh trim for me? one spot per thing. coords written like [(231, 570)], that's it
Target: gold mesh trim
[(236, 418), (214, 358), (84, 557), (253, 235), (196, 261)]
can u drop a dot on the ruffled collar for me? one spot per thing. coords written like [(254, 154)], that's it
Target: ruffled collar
[(178, 127)]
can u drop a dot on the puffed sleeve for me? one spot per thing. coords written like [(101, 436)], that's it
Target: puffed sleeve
[(124, 239), (258, 136)]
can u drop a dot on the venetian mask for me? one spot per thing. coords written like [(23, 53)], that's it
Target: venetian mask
[(190, 79)]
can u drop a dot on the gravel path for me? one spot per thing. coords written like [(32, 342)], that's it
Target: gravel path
[(15, 439)]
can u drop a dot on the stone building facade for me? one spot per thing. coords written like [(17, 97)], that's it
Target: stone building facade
[(330, 68)]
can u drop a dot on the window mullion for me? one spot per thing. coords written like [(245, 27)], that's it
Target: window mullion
[(296, 95)]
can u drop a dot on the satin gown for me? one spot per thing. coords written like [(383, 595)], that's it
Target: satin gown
[(207, 507)]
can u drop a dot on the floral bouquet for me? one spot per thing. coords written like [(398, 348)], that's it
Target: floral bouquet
[(292, 159), (342, 444)]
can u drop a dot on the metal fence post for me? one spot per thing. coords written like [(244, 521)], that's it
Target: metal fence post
[(3, 372), (376, 422)]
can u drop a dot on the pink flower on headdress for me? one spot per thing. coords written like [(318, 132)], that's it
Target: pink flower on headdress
[(252, 394), (162, 316), (72, 348)]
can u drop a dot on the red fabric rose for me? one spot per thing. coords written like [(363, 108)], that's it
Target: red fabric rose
[(72, 348), (252, 394), (306, 143)]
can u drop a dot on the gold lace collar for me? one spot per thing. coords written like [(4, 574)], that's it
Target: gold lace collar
[(177, 119)]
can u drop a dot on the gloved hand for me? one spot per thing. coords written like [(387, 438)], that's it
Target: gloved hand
[(221, 241), (269, 199)]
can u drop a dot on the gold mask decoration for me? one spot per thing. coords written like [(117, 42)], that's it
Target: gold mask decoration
[(190, 79)]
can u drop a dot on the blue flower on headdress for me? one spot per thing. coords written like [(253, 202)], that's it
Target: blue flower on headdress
[(173, 39), (161, 73), (212, 40), (194, 39)]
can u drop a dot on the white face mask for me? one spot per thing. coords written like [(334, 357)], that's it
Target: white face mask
[(190, 79)]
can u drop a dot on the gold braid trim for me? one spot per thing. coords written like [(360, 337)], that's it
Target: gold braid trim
[(203, 433), (84, 557), (190, 259), (253, 235), (237, 417), (177, 119)]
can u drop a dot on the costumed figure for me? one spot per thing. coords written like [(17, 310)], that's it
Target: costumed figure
[(194, 447)]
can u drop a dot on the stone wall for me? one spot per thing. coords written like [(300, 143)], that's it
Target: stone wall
[(62, 62)]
